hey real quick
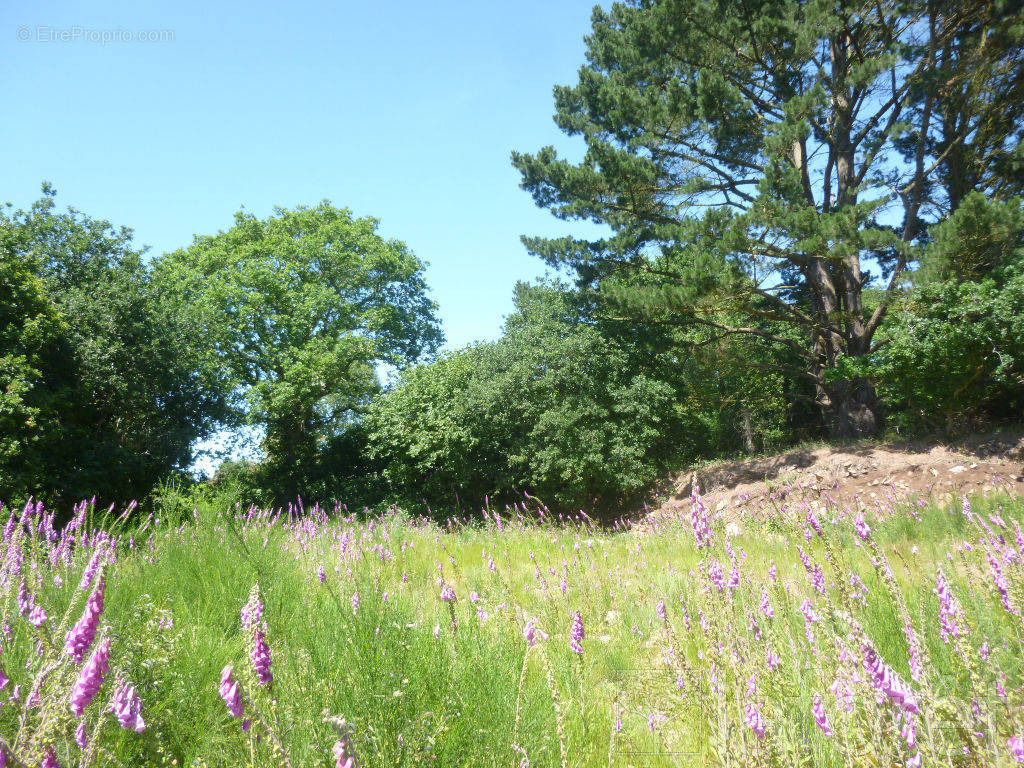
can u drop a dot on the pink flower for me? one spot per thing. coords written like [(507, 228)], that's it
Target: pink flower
[(531, 632), (1016, 746), (820, 716), (90, 679), (80, 738), (341, 758), (127, 708), (252, 611), (230, 693), (80, 637), (754, 721), (261, 657), (576, 633)]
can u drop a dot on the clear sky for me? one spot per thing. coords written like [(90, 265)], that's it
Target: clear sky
[(168, 117)]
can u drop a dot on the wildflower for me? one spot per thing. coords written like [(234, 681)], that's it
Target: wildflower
[(341, 758), (532, 632), (37, 616), (230, 693), (127, 708), (820, 716), (447, 593), (766, 606), (810, 617), (699, 520), (321, 574), (24, 601), (252, 611), (660, 610), (916, 665), (80, 737), (812, 520), (576, 633), (355, 602), (80, 636), (90, 678), (887, 682), (717, 575), (261, 657), (91, 567), (754, 721), (49, 759), (861, 527), (1016, 746)]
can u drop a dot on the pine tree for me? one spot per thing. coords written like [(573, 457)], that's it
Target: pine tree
[(767, 164)]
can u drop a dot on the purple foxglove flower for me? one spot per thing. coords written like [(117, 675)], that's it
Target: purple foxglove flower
[(127, 708), (252, 611), (321, 574), (861, 527), (699, 520), (230, 693), (49, 760), (261, 657), (820, 716), (576, 633), (341, 758), (80, 637), (887, 682), (90, 678), (80, 738), (661, 611), (1016, 746), (24, 601), (37, 616), (447, 593), (91, 567), (754, 721)]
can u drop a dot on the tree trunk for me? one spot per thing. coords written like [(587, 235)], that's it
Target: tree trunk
[(852, 410), (747, 431)]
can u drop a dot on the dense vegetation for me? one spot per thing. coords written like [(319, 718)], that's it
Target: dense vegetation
[(813, 228), (878, 634)]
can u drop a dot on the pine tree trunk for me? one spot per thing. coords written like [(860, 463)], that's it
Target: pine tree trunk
[(747, 430), (852, 410)]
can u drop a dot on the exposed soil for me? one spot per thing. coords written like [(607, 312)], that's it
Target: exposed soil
[(866, 473)]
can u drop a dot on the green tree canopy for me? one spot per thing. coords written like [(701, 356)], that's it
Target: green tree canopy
[(128, 394), (298, 309), (754, 160)]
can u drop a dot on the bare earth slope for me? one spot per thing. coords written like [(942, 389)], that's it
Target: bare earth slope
[(868, 472)]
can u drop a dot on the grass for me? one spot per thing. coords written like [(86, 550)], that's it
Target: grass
[(424, 682)]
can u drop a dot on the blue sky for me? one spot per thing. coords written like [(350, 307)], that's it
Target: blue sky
[(406, 111)]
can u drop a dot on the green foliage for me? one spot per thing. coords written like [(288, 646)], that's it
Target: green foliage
[(556, 408), (298, 308), (33, 369), (955, 353), (134, 394), (776, 142), (981, 238)]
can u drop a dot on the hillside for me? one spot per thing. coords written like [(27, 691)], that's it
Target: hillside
[(921, 469)]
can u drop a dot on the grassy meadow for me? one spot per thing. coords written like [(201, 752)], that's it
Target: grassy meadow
[(795, 635)]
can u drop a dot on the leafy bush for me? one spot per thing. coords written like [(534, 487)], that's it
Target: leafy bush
[(556, 408)]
